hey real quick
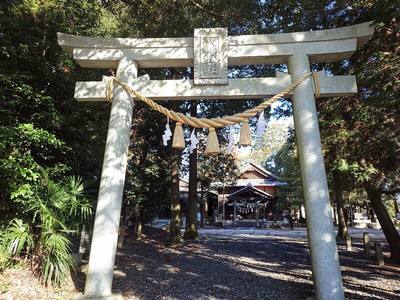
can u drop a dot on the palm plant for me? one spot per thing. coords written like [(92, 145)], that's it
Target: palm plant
[(19, 237), (5, 257), (57, 213)]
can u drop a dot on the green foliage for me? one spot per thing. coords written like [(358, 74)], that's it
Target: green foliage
[(5, 257), (62, 211), (285, 166), (147, 189), (55, 213), (54, 261), (268, 145), (22, 149), (361, 134), (4, 287), (390, 206), (148, 174), (81, 195), (19, 237), (41, 125), (165, 18), (32, 66), (221, 168), (37, 79), (22, 102)]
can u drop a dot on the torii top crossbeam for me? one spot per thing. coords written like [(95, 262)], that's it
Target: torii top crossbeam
[(319, 46), (93, 52)]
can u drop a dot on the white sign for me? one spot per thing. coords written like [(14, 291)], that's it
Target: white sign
[(210, 56)]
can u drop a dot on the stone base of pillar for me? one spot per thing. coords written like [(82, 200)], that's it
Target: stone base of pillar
[(110, 297)]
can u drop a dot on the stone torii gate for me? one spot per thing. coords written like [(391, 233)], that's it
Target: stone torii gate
[(211, 51)]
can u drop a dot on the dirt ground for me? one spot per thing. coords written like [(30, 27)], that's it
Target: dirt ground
[(239, 265)]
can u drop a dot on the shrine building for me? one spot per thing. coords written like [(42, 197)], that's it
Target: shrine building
[(251, 199)]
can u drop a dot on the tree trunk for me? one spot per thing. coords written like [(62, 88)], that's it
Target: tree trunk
[(388, 228), (138, 224), (290, 218), (175, 219), (202, 206), (191, 217), (335, 221), (373, 214), (338, 190), (202, 214)]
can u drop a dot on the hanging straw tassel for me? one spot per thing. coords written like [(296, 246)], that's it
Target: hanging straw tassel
[(245, 134), (178, 140), (212, 146)]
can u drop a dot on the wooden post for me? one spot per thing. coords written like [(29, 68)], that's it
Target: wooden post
[(234, 213), (367, 248), (348, 242), (379, 254), (223, 205), (121, 236), (257, 216)]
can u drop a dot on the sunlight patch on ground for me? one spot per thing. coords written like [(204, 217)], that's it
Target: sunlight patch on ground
[(246, 260), (222, 287), (119, 273), (169, 268)]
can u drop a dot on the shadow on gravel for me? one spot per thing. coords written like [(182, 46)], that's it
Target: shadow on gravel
[(256, 268), (363, 279), (214, 269)]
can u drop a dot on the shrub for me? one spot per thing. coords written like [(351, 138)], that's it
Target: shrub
[(58, 212)]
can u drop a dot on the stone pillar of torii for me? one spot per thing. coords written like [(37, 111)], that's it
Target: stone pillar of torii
[(210, 52)]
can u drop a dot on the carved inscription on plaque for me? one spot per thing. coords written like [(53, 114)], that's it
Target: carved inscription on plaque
[(210, 56), (211, 59)]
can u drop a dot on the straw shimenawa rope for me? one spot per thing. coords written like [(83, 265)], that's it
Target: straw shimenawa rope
[(214, 122), (316, 84)]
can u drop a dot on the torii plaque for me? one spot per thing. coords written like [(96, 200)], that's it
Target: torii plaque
[(211, 51)]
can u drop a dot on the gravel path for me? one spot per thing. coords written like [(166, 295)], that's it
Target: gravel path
[(223, 264), (249, 267)]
